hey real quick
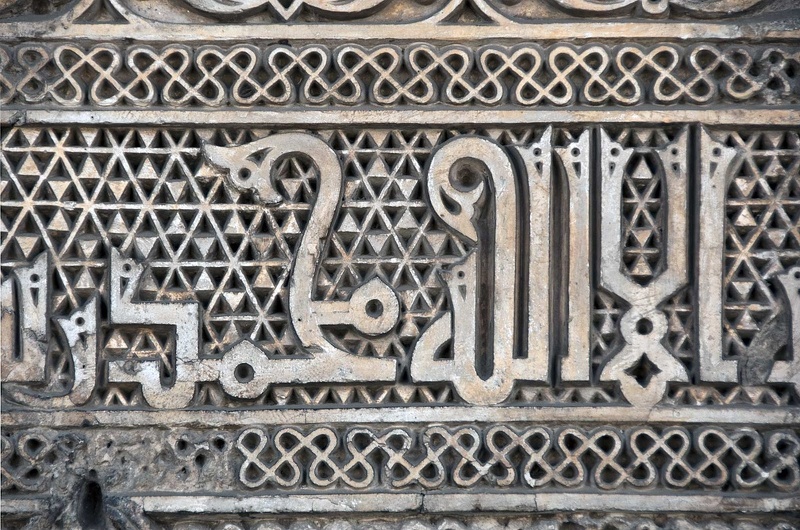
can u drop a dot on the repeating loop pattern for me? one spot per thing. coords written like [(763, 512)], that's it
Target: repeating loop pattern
[(605, 457), (420, 74), (29, 457)]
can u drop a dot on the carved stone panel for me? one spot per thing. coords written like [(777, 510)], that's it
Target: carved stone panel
[(451, 264)]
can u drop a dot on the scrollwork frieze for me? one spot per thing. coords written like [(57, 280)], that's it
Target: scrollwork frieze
[(527, 75), (536, 457), (516, 457), (439, 12)]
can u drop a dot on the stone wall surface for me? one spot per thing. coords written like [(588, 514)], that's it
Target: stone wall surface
[(400, 264)]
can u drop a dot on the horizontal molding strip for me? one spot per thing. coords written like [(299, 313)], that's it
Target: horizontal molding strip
[(783, 416), (318, 118), (446, 502), (146, 31), (388, 503)]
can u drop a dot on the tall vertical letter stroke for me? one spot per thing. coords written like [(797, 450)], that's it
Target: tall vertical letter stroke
[(644, 325), (716, 161), (466, 177)]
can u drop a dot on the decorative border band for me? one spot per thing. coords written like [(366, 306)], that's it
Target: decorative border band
[(534, 457), (526, 75), (458, 459)]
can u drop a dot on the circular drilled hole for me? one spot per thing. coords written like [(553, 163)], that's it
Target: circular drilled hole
[(374, 308), (244, 373), (644, 326)]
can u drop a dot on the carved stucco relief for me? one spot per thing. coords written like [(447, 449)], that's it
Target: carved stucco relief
[(400, 263)]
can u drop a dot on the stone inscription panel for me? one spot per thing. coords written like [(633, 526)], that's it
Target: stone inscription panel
[(187, 267), (265, 267)]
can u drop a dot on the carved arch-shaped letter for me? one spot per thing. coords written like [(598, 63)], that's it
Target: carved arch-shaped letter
[(467, 178)]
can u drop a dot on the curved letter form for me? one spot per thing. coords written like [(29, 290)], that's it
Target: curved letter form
[(465, 175), (329, 363)]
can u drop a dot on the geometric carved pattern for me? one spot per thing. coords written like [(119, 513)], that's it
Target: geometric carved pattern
[(27, 460), (762, 234), (205, 241), (197, 253), (387, 264), (536, 458), (568, 457), (420, 74)]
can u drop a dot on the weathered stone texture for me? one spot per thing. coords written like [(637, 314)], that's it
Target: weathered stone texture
[(400, 264)]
